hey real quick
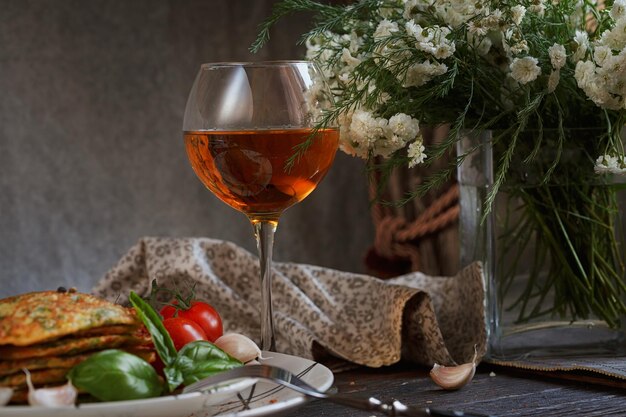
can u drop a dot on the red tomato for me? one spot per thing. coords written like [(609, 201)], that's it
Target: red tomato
[(183, 331), (202, 314)]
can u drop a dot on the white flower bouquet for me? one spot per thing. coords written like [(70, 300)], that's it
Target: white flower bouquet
[(393, 64), (535, 72)]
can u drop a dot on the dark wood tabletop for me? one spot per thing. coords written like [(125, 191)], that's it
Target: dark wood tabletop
[(494, 390)]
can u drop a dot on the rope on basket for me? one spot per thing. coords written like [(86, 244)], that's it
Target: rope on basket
[(396, 238)]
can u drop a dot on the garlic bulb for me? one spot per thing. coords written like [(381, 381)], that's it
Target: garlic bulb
[(5, 395), (454, 377), (60, 396), (239, 347)]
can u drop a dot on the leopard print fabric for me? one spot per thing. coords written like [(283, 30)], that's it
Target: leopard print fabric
[(354, 317)]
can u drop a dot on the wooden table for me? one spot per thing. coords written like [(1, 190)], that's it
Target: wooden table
[(494, 390)]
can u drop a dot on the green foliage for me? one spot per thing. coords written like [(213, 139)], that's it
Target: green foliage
[(114, 375)]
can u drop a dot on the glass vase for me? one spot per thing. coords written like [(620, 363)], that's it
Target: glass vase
[(551, 243)]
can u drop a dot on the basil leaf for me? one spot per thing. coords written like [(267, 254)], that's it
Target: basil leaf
[(200, 359), (174, 377), (160, 337), (195, 361), (114, 375)]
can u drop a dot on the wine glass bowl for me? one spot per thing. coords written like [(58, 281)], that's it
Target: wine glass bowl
[(249, 170), (256, 136)]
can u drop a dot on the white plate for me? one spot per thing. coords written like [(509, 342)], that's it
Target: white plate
[(244, 398)]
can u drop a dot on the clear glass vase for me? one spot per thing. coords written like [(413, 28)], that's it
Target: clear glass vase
[(552, 250)]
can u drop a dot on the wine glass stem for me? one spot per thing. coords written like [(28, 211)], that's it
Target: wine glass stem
[(264, 231)]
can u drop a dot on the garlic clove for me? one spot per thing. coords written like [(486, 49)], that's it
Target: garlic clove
[(60, 396), (5, 395), (454, 377), (239, 347)]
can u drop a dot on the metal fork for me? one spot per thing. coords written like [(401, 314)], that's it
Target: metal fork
[(287, 379)]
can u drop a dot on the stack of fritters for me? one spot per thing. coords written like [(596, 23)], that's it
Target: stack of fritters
[(49, 332)]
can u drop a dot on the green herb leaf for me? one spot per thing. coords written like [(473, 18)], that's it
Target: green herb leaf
[(200, 359), (114, 375), (160, 337)]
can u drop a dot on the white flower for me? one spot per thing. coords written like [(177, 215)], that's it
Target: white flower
[(613, 73), (368, 135), (410, 9), (365, 128), (553, 80), (346, 144), (457, 12), (415, 30), (419, 74), (388, 145), (605, 83), (451, 16), (384, 29), (404, 126), (582, 39), (601, 84), (519, 47), (363, 135), (415, 39), (608, 164), (476, 28), (356, 42), (413, 7), (431, 40), (492, 20), (525, 70), (444, 50), (557, 55), (507, 35), (416, 153), (618, 10), (584, 73), (602, 54), (616, 37), (538, 7), (517, 14), (350, 61)]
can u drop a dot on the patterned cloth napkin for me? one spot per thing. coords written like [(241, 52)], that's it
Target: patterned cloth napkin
[(318, 312)]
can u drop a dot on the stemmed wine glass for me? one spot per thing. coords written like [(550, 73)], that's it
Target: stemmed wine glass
[(255, 136)]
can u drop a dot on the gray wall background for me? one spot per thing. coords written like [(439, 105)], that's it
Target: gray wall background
[(92, 94)]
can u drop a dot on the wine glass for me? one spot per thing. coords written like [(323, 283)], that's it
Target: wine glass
[(255, 136)]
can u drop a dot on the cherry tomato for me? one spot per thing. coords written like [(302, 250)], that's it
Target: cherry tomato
[(183, 331), (202, 314)]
